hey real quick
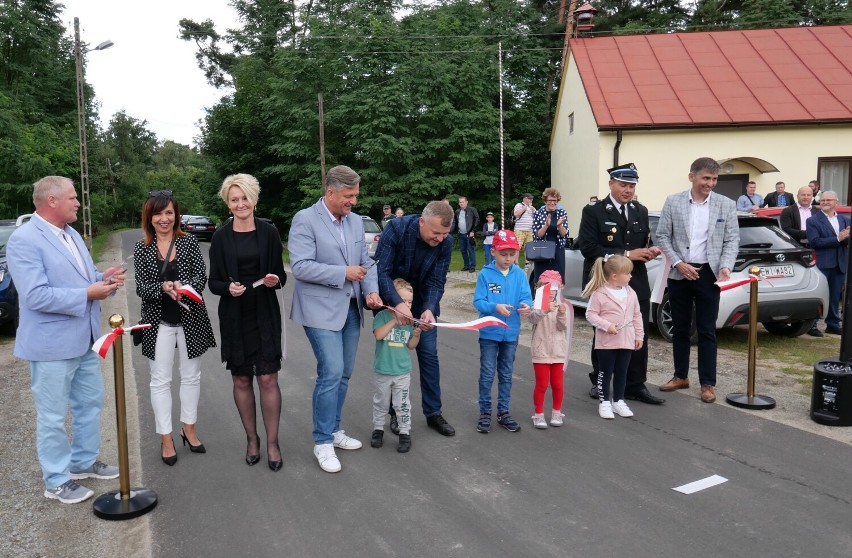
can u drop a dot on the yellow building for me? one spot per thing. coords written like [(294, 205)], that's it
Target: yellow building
[(769, 105)]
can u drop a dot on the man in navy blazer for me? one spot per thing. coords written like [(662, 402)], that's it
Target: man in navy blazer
[(334, 279), (828, 235), (59, 289), (418, 248)]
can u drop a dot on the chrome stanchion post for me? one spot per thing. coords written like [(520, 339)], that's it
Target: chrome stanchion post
[(125, 503), (750, 400)]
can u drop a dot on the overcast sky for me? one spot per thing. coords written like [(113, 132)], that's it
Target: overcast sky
[(150, 73)]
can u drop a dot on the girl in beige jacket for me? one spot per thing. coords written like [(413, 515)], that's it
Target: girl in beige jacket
[(549, 350)]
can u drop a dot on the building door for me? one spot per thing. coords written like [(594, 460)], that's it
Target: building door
[(731, 185)]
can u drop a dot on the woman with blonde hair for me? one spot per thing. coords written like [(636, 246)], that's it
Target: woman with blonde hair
[(246, 269), (614, 313)]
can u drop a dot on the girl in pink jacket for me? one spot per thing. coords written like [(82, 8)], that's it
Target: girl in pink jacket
[(614, 311)]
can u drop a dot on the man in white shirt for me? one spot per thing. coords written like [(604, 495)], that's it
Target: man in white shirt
[(699, 233), (523, 214)]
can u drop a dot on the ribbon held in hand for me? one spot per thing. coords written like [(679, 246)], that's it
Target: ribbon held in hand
[(188, 291), (104, 342)]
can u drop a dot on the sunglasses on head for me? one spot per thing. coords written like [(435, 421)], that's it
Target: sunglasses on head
[(158, 193)]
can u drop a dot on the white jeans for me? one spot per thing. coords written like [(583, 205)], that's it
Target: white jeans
[(161, 379), (392, 388)]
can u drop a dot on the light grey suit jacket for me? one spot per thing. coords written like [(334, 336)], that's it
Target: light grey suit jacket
[(723, 240), (57, 321), (319, 259)]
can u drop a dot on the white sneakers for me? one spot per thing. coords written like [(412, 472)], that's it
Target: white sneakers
[(621, 409), (342, 441), (325, 455), (556, 418), (328, 461), (605, 409), (538, 420)]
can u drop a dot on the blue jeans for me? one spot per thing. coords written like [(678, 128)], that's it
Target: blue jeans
[(836, 279), (704, 294), (488, 257), (430, 372), (499, 355), (54, 384), (468, 252), (335, 353)]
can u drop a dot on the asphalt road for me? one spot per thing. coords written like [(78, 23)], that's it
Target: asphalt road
[(591, 488)]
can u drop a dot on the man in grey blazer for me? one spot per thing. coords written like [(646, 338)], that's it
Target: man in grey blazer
[(59, 289), (335, 277), (699, 233)]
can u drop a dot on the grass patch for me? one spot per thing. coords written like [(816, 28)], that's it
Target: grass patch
[(797, 355)]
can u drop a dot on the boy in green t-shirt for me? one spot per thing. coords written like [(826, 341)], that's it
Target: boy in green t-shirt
[(393, 370)]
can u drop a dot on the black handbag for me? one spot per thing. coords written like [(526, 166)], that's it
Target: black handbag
[(540, 250)]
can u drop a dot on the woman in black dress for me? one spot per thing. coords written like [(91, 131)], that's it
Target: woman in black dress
[(244, 252)]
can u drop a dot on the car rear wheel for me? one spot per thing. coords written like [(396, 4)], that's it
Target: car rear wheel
[(789, 329), (663, 320)]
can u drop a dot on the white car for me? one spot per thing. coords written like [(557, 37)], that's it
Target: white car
[(788, 303), (372, 233)]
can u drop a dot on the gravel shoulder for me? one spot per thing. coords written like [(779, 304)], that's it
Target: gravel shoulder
[(793, 401), (30, 524)]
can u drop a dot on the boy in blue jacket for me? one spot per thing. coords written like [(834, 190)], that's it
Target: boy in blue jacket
[(502, 291)]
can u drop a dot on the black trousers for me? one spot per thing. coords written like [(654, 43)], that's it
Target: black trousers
[(637, 370)]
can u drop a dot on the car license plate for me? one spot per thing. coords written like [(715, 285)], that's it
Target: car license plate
[(777, 270)]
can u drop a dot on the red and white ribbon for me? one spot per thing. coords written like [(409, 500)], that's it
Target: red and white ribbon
[(662, 280), (476, 324), (188, 291), (104, 342), (734, 283)]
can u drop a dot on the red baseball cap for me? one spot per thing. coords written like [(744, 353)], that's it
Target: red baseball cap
[(504, 240)]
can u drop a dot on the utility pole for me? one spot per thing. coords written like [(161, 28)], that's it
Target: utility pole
[(81, 131)]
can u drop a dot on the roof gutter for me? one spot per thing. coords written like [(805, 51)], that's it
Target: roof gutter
[(615, 149)]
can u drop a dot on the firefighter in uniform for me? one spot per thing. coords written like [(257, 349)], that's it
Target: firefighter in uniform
[(619, 225)]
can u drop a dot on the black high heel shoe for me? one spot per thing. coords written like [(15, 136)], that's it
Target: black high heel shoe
[(168, 460), (252, 460), (194, 449), (276, 465)]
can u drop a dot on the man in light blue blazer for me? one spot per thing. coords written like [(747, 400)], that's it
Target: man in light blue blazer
[(335, 277), (828, 235), (59, 289), (699, 233)]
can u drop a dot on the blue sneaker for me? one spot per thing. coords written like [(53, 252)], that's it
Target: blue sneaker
[(506, 421), (97, 470), (484, 424)]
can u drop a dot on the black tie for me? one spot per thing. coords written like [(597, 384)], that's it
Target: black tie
[(623, 214)]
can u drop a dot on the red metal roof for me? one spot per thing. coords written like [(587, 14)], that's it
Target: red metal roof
[(762, 76)]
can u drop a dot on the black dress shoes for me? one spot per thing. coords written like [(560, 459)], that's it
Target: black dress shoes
[(644, 396), (394, 425), (593, 393), (815, 332), (441, 425), (833, 330)]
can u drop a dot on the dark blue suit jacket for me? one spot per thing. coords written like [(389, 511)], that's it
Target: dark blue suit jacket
[(395, 255), (830, 252)]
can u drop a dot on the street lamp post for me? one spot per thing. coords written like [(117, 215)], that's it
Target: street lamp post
[(81, 129)]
